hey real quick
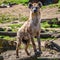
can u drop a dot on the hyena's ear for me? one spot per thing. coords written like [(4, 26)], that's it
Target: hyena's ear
[(40, 4), (30, 5)]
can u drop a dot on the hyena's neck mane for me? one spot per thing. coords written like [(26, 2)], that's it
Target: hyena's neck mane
[(35, 18)]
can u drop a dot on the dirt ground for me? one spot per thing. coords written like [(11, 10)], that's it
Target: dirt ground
[(17, 10), (48, 12), (45, 13), (47, 53)]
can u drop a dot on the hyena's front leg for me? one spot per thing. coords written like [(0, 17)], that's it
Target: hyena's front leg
[(39, 43), (34, 46)]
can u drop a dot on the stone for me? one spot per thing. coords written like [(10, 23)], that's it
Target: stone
[(1, 57)]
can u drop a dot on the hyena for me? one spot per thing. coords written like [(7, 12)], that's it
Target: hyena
[(30, 29)]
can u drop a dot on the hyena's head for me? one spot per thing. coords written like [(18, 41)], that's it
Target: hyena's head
[(35, 7)]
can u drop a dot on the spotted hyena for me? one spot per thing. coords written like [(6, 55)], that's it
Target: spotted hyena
[(30, 29)]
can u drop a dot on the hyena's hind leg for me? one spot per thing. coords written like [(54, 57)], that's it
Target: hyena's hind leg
[(26, 48), (17, 48)]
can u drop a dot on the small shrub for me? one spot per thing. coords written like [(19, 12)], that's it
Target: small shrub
[(13, 1), (55, 26), (45, 25), (15, 27)]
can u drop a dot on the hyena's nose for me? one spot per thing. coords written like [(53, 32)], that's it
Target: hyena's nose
[(34, 10)]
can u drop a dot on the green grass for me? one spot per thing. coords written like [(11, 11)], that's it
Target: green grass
[(15, 27), (13, 1), (52, 5), (55, 26), (5, 18), (14, 38), (23, 18), (44, 39), (8, 38), (45, 25)]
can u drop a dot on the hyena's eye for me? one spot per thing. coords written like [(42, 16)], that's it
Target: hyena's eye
[(30, 5), (37, 7)]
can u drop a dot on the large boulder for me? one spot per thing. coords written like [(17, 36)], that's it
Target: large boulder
[(55, 1), (5, 45), (8, 45), (2, 29), (1, 57), (8, 29), (52, 45)]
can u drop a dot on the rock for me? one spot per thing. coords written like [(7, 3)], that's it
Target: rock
[(3, 6), (8, 29), (5, 45), (42, 30), (8, 45), (14, 22), (47, 44), (2, 29), (58, 54), (52, 45), (55, 1), (1, 57), (59, 18)]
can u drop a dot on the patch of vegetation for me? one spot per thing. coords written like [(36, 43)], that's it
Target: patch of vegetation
[(14, 1), (44, 39), (14, 38), (52, 5), (55, 26), (4, 18), (23, 18), (1, 37), (8, 38), (45, 25), (50, 24), (15, 27), (53, 23)]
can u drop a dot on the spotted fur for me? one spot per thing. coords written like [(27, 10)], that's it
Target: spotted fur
[(29, 30)]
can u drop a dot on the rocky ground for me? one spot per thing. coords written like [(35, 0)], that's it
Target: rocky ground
[(46, 13), (46, 53), (11, 55)]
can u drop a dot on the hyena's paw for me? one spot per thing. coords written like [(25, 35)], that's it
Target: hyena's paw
[(38, 53)]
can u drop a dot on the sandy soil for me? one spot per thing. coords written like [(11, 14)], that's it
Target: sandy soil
[(23, 10)]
